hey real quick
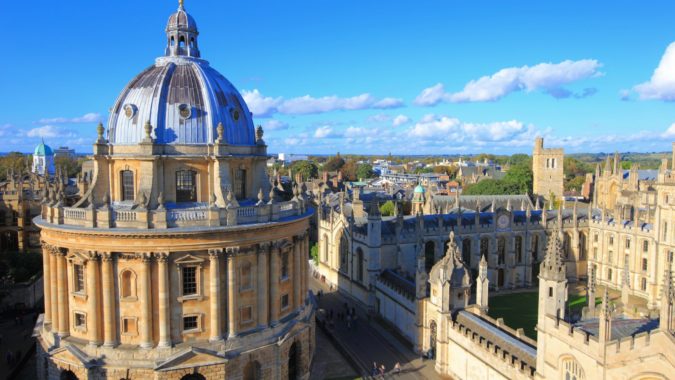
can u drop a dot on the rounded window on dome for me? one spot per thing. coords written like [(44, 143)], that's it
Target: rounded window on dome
[(129, 110), (235, 114), (185, 111)]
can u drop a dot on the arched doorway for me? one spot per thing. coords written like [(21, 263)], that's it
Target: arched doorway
[(193, 376), (68, 375), (429, 255), (293, 362), (252, 371)]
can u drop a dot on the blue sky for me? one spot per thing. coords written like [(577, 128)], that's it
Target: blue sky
[(424, 77)]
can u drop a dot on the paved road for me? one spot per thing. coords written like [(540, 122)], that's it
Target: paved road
[(369, 342)]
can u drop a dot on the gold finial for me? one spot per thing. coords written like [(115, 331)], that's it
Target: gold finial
[(180, 3)]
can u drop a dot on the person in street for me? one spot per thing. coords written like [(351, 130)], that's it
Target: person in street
[(397, 368), (382, 370), (375, 370)]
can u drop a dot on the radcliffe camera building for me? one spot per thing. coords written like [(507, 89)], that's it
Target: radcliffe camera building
[(179, 261)]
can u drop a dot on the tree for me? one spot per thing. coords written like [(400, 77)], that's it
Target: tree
[(387, 208), (14, 161), (520, 159), (364, 171), (70, 165), (349, 170), (334, 164), (307, 169), (314, 253), (485, 187), (518, 179)]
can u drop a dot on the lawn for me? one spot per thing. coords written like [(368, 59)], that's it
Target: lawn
[(520, 309)]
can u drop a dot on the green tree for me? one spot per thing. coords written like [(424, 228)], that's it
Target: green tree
[(307, 169), (349, 170), (387, 208), (364, 171), (485, 187), (70, 165), (520, 159), (518, 180), (334, 164), (314, 253)]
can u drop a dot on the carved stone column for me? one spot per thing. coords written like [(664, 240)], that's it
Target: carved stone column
[(62, 285), (297, 271), (164, 292), (303, 265), (54, 293), (263, 285), (93, 301), (214, 296), (108, 293), (274, 285), (47, 282), (231, 292), (145, 300)]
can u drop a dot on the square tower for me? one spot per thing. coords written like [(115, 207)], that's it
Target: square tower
[(547, 170)]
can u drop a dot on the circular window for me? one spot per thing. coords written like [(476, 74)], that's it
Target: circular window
[(185, 111), (129, 110)]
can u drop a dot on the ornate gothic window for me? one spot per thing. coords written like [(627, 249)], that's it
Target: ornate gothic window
[(429, 255), (484, 247), (128, 185), (344, 253), (572, 370), (359, 265), (186, 186), (501, 250), (466, 251), (519, 249), (325, 248)]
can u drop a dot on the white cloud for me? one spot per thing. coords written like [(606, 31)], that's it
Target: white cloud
[(670, 132), (400, 120), (7, 130), (379, 118), (45, 131), (275, 125), (91, 117), (661, 86), (547, 77), (325, 132), (263, 106), (434, 130)]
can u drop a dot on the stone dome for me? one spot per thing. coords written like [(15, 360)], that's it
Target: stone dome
[(182, 96), (43, 150)]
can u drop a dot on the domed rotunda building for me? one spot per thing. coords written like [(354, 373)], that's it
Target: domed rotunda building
[(178, 261)]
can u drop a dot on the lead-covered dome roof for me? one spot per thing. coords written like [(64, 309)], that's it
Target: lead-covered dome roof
[(182, 96)]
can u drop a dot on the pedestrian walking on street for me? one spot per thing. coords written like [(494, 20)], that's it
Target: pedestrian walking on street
[(397, 368), (375, 370), (382, 370)]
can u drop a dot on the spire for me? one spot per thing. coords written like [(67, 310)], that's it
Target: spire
[(605, 328), (667, 299), (553, 266)]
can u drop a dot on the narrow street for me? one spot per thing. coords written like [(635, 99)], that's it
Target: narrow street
[(367, 342)]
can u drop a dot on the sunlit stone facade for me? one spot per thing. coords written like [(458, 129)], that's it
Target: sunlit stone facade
[(179, 261)]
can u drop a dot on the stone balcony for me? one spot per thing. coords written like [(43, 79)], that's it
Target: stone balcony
[(130, 216)]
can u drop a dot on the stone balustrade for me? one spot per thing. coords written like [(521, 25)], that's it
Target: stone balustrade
[(142, 218)]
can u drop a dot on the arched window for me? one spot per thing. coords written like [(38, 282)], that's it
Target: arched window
[(572, 370), (429, 255), (325, 248), (609, 274), (173, 41), (128, 192), (127, 284), (344, 253), (192, 42), (501, 250), (240, 183), (359, 264), (252, 371), (432, 336), (466, 251), (186, 186), (582, 246), (245, 276), (181, 42), (484, 247), (519, 249), (643, 284), (68, 375)]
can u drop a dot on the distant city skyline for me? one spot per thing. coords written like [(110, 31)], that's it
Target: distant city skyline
[(360, 78)]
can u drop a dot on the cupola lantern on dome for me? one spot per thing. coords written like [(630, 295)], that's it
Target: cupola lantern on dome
[(182, 96), (181, 34)]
